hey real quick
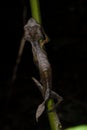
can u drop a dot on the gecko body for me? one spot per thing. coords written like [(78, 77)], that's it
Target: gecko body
[(44, 70), (35, 35)]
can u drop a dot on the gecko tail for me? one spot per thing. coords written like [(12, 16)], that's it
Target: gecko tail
[(41, 107), (40, 110), (52, 95)]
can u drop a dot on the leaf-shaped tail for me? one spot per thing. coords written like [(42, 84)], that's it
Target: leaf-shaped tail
[(53, 95), (40, 110)]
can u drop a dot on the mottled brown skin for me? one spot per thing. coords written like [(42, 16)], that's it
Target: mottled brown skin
[(45, 75), (46, 79), (37, 37)]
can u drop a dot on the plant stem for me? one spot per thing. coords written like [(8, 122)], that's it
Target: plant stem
[(35, 10), (53, 116)]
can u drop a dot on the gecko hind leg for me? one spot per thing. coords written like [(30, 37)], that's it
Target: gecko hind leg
[(40, 87)]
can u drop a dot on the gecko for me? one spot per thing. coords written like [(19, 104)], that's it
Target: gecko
[(35, 34)]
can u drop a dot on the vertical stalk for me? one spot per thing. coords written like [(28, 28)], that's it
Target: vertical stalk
[(53, 116), (35, 10)]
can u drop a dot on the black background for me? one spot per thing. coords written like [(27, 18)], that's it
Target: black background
[(66, 25)]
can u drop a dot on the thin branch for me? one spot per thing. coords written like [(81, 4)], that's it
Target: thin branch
[(18, 59)]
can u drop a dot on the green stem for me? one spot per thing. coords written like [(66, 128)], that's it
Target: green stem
[(35, 10), (52, 116)]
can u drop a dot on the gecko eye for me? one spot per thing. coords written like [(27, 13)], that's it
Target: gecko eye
[(42, 37)]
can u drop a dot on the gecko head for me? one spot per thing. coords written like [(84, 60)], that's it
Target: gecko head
[(32, 22), (33, 30)]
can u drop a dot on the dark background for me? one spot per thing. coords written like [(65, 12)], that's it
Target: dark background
[(66, 25)]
